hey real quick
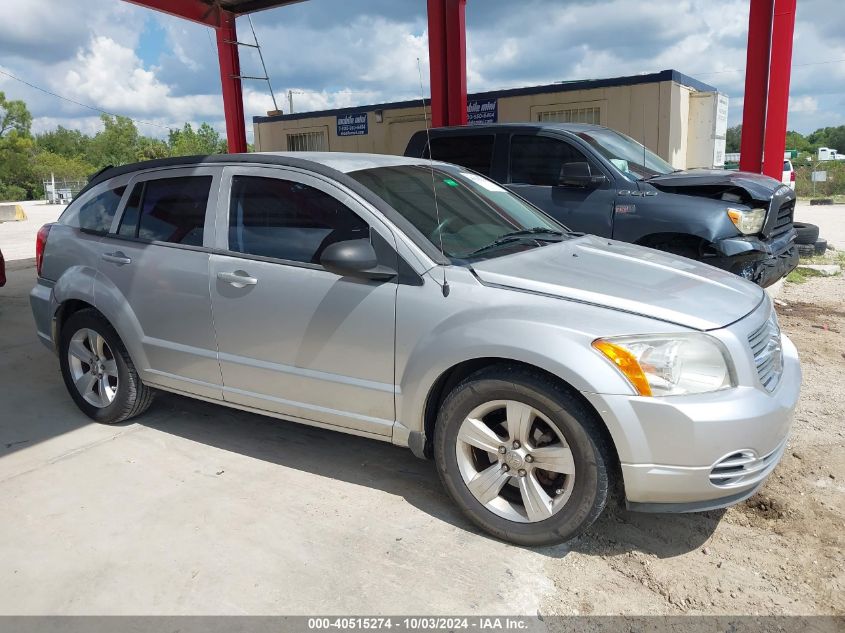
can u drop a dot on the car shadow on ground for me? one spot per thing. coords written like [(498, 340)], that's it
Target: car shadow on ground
[(396, 471)]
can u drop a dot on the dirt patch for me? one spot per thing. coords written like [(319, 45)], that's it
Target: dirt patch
[(780, 552)]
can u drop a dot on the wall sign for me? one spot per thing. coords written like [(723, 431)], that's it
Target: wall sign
[(482, 111), (352, 124)]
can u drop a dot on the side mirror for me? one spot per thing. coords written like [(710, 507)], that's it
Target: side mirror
[(579, 175), (354, 258)]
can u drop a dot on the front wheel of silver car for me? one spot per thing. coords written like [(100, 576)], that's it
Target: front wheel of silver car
[(522, 456), (97, 370)]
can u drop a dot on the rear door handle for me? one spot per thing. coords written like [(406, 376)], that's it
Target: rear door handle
[(116, 258), (239, 279)]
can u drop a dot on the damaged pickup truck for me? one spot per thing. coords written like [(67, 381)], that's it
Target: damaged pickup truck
[(596, 180)]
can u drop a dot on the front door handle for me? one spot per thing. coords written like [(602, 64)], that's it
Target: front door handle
[(116, 258), (239, 279)]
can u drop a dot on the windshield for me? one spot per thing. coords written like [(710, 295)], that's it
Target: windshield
[(477, 217), (631, 158)]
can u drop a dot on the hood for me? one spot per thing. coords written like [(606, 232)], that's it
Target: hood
[(625, 277), (758, 186)]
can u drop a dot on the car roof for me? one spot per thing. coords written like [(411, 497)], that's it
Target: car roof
[(327, 163), (346, 162)]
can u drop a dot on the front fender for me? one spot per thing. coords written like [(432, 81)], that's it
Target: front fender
[(551, 334)]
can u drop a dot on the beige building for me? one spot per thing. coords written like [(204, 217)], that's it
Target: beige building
[(681, 119)]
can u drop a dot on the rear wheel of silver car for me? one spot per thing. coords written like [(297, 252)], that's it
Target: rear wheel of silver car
[(522, 456), (97, 370)]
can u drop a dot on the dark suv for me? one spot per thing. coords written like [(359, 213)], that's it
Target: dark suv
[(596, 180)]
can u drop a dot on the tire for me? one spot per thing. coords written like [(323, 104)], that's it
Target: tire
[(559, 423), (807, 233), (806, 250), (113, 391), (820, 247)]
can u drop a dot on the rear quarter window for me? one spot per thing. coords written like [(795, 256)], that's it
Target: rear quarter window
[(474, 152), (95, 214)]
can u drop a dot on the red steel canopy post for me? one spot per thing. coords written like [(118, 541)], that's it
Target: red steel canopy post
[(780, 67), (447, 58), (756, 85), (230, 71)]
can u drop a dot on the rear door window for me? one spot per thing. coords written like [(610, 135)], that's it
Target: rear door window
[(167, 210), (537, 160), (475, 152), (96, 214)]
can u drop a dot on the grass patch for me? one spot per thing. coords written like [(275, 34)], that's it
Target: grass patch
[(800, 275)]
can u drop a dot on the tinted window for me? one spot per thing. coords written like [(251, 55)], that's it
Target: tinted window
[(96, 214), (129, 220), (475, 152), (171, 210), (459, 211), (536, 160), (287, 220)]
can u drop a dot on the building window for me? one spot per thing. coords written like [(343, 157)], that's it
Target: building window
[(307, 142), (572, 115)]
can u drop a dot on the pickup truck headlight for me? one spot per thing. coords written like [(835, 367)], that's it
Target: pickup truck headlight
[(670, 364), (748, 221)]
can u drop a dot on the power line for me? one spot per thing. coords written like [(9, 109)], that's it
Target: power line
[(84, 105)]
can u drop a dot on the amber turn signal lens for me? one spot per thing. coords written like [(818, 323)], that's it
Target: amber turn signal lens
[(627, 364)]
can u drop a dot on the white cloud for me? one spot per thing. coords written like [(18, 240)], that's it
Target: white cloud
[(337, 54)]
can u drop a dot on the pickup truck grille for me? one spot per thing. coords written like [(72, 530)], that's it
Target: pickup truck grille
[(783, 221), (768, 356)]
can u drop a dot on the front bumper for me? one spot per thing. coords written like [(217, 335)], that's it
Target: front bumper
[(762, 261), (668, 447)]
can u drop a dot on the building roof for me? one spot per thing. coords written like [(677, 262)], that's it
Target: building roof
[(565, 86)]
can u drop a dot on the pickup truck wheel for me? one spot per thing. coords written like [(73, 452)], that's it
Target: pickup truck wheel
[(807, 233), (521, 456), (98, 372)]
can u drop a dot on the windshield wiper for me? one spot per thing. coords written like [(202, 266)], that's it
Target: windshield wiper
[(516, 236), (536, 230)]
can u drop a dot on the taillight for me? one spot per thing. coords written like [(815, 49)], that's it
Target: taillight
[(792, 176), (40, 243)]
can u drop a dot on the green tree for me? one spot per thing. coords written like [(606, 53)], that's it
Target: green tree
[(151, 148), (64, 142), (796, 140), (204, 140), (116, 143), (732, 139), (16, 173), (49, 164), (14, 116)]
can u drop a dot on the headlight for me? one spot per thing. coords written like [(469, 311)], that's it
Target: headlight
[(748, 221), (669, 364)]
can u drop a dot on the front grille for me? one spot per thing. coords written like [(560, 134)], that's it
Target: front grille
[(768, 356), (744, 467), (783, 222)]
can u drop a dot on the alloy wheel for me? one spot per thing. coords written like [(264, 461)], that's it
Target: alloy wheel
[(515, 461), (93, 368)]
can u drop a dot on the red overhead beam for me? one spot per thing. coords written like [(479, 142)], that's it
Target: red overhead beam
[(193, 10)]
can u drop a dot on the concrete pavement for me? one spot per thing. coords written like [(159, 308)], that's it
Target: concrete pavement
[(195, 508)]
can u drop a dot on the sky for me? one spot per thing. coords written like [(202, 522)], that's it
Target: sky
[(162, 71)]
